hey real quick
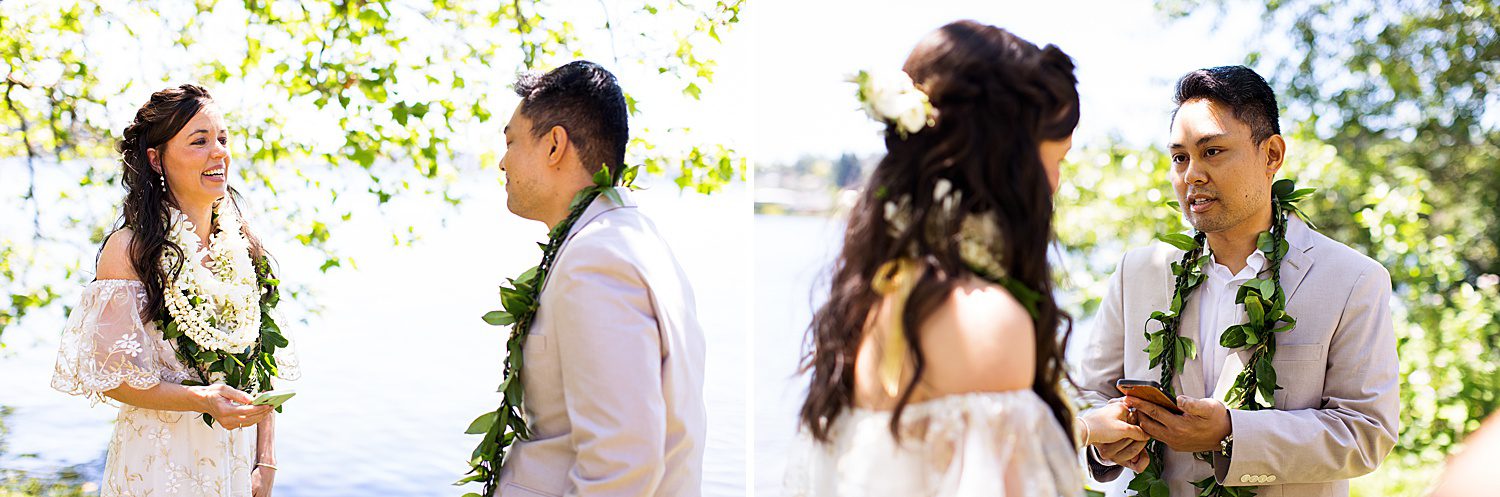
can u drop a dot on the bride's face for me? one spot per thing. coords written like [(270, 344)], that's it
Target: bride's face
[(1052, 152), (196, 161)]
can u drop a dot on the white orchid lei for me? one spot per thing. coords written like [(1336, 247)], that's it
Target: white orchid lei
[(892, 98), (219, 314), (217, 306)]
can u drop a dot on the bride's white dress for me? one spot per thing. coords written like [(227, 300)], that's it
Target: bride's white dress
[(980, 444), (151, 452)]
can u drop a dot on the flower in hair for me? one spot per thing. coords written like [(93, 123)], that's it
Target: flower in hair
[(892, 98)]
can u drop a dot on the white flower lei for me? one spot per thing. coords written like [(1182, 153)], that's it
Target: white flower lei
[(217, 306)]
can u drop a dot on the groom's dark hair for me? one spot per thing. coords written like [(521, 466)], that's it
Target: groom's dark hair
[(586, 100), (1245, 92)]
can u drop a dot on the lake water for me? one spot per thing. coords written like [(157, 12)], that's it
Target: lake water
[(793, 256), (399, 362)]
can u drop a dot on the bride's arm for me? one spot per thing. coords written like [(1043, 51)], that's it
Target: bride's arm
[(265, 456), (228, 406)]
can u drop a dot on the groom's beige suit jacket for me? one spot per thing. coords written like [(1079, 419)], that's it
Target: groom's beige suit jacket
[(1336, 411), (613, 369)]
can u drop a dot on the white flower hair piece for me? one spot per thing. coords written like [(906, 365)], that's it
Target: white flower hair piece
[(892, 98), (978, 235)]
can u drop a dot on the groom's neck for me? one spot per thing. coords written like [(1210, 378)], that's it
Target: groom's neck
[(562, 203), (1232, 246)]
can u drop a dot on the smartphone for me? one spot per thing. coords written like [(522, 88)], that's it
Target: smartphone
[(272, 398), (1149, 391)]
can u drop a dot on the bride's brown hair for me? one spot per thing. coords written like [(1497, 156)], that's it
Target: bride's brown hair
[(146, 196), (997, 97)]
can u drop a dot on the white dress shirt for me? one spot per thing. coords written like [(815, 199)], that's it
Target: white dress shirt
[(1217, 311)]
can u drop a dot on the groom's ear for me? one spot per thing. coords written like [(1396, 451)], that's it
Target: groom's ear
[(1275, 154), (557, 143)]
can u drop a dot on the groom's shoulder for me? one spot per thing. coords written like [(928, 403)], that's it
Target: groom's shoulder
[(1154, 256), (621, 232), (1341, 259)]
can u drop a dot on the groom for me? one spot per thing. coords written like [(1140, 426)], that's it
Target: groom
[(1335, 413), (613, 369)]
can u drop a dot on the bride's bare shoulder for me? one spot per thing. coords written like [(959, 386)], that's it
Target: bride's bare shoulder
[(980, 339), (114, 261)]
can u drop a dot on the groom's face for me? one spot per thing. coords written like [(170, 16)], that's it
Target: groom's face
[(1222, 177), (524, 164)]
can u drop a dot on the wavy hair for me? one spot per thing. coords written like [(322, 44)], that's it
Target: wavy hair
[(996, 97), (146, 196)]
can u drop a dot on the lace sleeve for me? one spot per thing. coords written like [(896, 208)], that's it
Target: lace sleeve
[(105, 344), (288, 365)]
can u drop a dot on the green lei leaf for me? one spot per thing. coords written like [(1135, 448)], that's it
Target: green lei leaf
[(1265, 307), (519, 300)]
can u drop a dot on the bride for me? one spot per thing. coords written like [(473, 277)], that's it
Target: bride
[(177, 321), (936, 362)]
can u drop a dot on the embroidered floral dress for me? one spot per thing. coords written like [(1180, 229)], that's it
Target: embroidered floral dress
[(1004, 444), (151, 452)]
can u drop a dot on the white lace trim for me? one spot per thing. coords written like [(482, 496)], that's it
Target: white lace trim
[(105, 344)]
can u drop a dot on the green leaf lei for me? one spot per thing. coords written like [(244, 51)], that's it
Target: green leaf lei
[(1265, 307), (520, 301), (249, 371)]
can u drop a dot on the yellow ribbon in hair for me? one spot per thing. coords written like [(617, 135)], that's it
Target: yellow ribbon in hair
[(894, 279)]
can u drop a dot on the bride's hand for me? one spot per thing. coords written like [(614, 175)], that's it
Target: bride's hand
[(1111, 423), (1110, 429), (230, 407), (260, 481)]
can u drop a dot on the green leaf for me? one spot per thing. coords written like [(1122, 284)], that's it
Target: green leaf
[(1267, 287), (483, 423), (627, 179), (1282, 188), (613, 195), (1256, 311), (1179, 240), (1159, 488), (1263, 241), (601, 178), (499, 318), (274, 339), (1233, 337)]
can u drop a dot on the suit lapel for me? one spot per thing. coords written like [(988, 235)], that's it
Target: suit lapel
[(1297, 261)]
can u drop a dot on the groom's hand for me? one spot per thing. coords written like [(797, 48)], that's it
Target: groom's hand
[(1200, 427)]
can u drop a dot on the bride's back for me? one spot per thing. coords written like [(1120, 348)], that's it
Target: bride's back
[(943, 287), (980, 339)]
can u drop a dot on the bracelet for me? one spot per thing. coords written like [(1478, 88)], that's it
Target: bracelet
[(261, 464), (1086, 430)]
